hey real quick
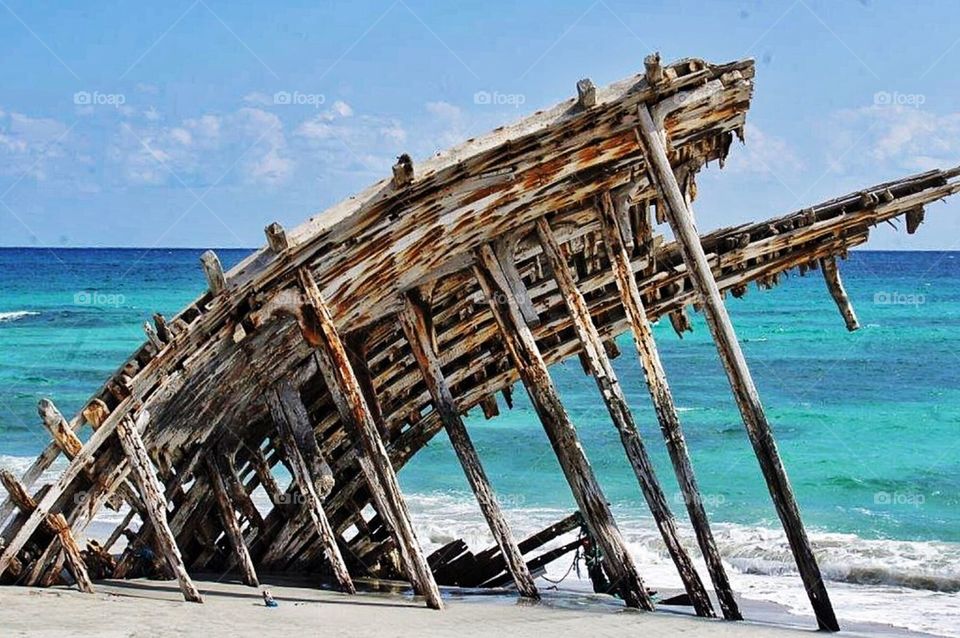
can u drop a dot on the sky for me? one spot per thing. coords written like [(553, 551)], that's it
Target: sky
[(195, 123)]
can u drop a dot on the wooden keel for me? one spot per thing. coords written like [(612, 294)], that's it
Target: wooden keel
[(758, 428), (609, 385), (831, 275), (532, 369), (230, 524), (321, 332), (663, 405), (417, 325), (57, 524), (156, 505), (290, 416)]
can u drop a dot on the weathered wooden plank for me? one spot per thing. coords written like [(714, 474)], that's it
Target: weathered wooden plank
[(417, 325), (610, 390), (530, 365), (216, 281), (155, 504), (230, 524), (57, 524), (291, 417), (681, 221), (276, 238), (831, 275), (320, 332), (44, 506), (664, 407)]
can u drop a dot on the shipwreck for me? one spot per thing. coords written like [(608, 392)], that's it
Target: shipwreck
[(336, 352)]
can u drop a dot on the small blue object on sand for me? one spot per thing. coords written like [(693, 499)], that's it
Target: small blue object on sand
[(268, 599)]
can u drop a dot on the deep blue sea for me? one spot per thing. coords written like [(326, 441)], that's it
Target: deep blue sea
[(868, 423)]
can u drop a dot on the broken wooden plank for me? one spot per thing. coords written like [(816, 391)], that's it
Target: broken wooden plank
[(290, 417), (831, 275), (230, 524), (417, 324), (603, 373), (57, 524), (681, 221), (216, 281), (664, 407), (276, 238), (321, 333), (144, 474), (532, 369)]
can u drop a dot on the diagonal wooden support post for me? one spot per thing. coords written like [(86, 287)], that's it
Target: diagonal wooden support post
[(290, 416), (156, 505), (652, 137), (526, 357), (417, 325), (57, 524), (230, 524), (831, 275), (321, 332), (603, 373), (664, 407)]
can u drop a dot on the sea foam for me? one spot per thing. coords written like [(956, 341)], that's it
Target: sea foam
[(9, 317)]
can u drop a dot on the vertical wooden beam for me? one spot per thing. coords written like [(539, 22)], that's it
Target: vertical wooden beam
[(321, 332), (418, 327), (216, 280), (526, 357), (664, 407), (748, 400), (156, 505), (290, 415), (57, 524), (603, 373), (831, 275), (230, 524), (276, 238)]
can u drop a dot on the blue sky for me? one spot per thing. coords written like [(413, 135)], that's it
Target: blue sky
[(157, 124)]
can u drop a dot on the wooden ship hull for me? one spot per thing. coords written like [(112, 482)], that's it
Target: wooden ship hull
[(336, 352)]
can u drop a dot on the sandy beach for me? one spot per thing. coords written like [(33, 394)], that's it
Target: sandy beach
[(156, 609)]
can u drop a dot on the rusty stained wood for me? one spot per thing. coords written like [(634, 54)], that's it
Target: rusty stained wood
[(417, 324), (57, 524), (290, 417), (609, 385), (664, 407), (653, 139), (532, 370), (321, 333)]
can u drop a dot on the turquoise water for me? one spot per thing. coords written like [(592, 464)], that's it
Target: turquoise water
[(868, 423)]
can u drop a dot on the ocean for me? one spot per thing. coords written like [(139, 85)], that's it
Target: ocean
[(868, 423)]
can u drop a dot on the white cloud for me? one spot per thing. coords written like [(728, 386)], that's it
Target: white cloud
[(30, 145), (259, 98), (763, 153), (901, 138), (444, 110), (204, 150), (342, 109)]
